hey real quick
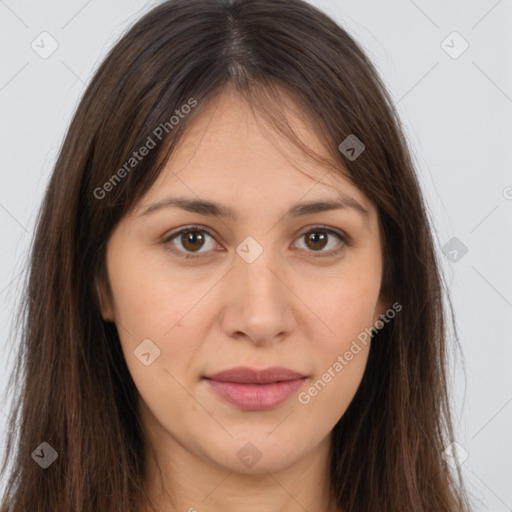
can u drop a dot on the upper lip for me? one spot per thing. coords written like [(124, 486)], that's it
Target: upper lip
[(249, 375)]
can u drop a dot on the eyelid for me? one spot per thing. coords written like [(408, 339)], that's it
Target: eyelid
[(344, 238)]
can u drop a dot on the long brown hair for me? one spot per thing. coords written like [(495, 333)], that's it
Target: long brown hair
[(72, 386)]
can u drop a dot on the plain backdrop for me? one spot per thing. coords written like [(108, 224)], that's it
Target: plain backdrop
[(448, 66)]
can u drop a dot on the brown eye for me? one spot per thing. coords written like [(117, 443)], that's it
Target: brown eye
[(317, 239), (192, 240)]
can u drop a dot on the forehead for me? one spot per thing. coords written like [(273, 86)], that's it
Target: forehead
[(232, 154)]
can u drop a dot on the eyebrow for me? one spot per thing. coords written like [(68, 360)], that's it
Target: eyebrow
[(211, 208)]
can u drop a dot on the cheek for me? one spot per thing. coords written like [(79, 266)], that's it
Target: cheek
[(346, 304), (147, 300), (330, 393), (150, 304), (341, 352)]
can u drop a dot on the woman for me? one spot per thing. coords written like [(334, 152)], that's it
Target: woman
[(234, 301)]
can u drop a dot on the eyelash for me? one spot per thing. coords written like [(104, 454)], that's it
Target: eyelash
[(345, 240)]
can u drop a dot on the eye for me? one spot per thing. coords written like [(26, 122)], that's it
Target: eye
[(191, 240), (320, 237)]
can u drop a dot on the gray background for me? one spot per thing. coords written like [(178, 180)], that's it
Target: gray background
[(457, 112)]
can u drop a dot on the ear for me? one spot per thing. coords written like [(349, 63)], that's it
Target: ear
[(105, 301)]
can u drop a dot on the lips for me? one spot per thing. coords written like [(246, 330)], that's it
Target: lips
[(248, 375), (252, 389)]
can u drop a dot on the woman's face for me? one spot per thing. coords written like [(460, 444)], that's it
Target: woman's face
[(271, 284)]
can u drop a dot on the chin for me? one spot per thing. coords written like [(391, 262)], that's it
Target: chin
[(258, 453)]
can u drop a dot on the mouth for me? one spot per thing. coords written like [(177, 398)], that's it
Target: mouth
[(251, 389)]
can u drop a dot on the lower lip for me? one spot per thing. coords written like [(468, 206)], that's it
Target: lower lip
[(256, 397)]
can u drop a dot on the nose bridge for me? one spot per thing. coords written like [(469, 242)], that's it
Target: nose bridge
[(256, 271), (258, 279), (257, 303)]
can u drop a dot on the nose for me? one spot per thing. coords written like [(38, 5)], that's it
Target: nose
[(257, 301)]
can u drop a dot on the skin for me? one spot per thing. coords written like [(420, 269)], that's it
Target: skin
[(290, 307)]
